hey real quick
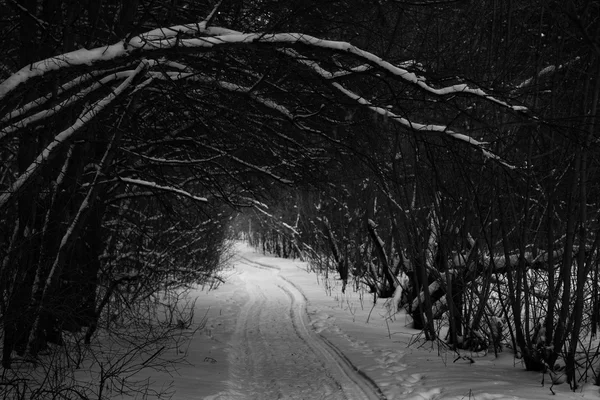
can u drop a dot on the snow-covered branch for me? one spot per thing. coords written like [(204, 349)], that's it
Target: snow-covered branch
[(545, 72), (153, 185), (425, 128), (65, 103), (65, 136), (262, 170), (396, 70), (259, 207), (168, 161), (172, 37), (67, 60), (386, 112), (43, 24), (58, 91)]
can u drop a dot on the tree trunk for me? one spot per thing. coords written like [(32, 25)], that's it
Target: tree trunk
[(391, 279), (340, 262)]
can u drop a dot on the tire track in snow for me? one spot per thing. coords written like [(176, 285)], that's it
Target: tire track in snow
[(276, 354), (364, 387), (268, 358)]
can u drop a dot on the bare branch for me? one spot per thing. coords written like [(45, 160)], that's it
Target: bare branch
[(65, 136), (153, 185)]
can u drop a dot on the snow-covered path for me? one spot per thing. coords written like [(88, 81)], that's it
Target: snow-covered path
[(276, 330), (274, 354)]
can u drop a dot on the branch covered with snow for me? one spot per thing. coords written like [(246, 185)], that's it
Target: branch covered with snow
[(66, 136), (173, 37), (154, 185)]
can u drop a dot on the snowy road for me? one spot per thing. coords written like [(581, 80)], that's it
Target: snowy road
[(260, 338), (275, 354)]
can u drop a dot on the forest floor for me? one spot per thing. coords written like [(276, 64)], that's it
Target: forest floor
[(275, 330)]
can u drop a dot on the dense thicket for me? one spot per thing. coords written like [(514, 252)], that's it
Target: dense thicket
[(505, 248), (453, 143)]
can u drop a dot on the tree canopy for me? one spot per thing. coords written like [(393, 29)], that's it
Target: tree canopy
[(457, 137)]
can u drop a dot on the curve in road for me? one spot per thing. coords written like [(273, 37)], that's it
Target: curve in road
[(274, 353)]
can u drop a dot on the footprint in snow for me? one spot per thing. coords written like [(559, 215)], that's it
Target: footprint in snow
[(397, 368), (414, 378)]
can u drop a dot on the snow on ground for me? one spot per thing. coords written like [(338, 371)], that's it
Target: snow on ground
[(277, 331)]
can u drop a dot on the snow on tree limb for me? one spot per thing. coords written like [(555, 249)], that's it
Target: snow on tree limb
[(153, 185), (403, 73), (431, 128), (434, 286), (546, 71), (180, 36), (212, 14), (169, 38), (259, 207), (427, 128), (65, 103), (74, 58), (43, 24), (262, 170), (61, 89), (168, 161), (144, 41), (65, 136)]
